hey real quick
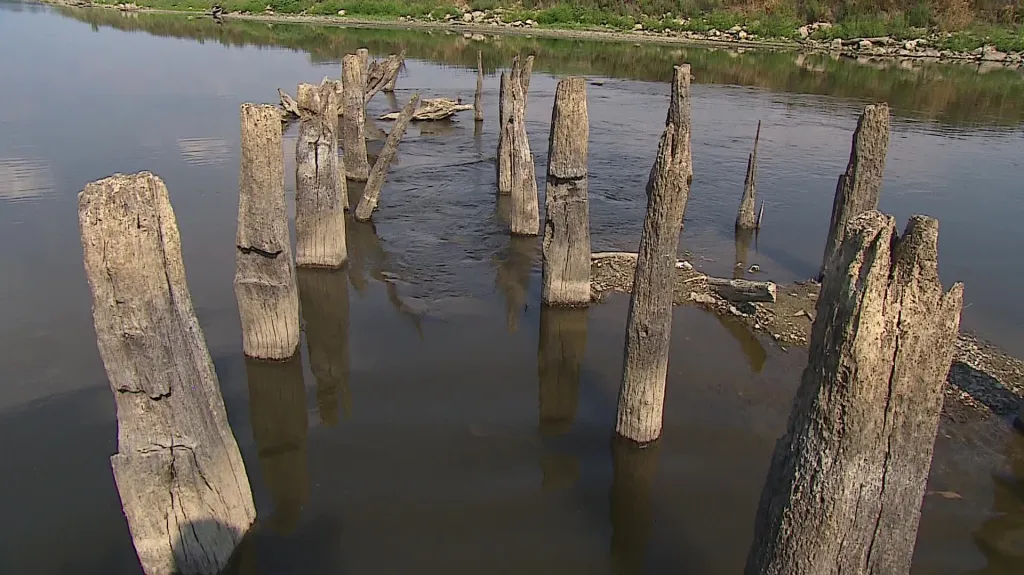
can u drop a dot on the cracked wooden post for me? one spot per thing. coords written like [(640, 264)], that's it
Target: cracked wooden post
[(746, 219), (518, 175), (526, 71), (649, 324), (371, 193), (382, 75), (183, 486), (502, 163), (860, 186), (844, 491), (320, 189), (268, 302), (391, 84), (353, 120), (478, 100), (364, 65), (566, 247), (324, 298)]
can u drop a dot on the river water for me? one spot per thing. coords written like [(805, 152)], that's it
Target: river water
[(469, 430)]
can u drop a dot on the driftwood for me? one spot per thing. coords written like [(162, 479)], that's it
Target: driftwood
[(741, 290), (183, 486), (432, 109), (324, 298), (844, 491), (264, 275), (371, 193), (353, 121), (859, 188), (289, 107), (382, 73), (566, 248), (649, 323), (560, 352), (320, 189), (745, 218), (478, 100)]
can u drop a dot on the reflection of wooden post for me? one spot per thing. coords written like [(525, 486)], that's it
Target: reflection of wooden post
[(512, 276), (324, 298), (844, 491), (563, 343), (319, 188), (183, 486), (860, 186), (566, 271), (649, 324), (277, 407), (264, 275), (741, 240), (478, 99), (633, 471), (515, 147), (353, 120), (371, 193), (745, 218)]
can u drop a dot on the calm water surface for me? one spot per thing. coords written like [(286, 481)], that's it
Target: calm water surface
[(438, 419)]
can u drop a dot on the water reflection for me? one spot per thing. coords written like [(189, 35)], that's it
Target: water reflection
[(753, 349), (323, 295), (204, 151), (513, 266), (24, 178), (742, 241), (1001, 538), (277, 408), (560, 352), (633, 471)]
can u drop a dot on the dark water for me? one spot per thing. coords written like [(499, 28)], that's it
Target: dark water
[(439, 420)]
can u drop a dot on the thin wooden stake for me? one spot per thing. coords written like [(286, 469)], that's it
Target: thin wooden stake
[(371, 193), (760, 215), (745, 216), (478, 104), (525, 215)]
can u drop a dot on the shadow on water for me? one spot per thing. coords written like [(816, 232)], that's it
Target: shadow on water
[(277, 407), (323, 295), (1001, 538)]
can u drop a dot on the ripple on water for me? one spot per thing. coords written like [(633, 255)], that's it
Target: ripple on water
[(204, 151), (25, 179)]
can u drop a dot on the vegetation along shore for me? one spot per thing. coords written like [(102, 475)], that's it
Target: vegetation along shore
[(985, 31)]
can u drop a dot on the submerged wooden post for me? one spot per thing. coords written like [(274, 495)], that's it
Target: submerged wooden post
[(649, 324), (320, 190), (478, 100), (183, 486), (844, 491), (268, 302), (518, 174), (371, 193), (566, 269), (860, 186), (746, 219), (324, 298), (353, 120)]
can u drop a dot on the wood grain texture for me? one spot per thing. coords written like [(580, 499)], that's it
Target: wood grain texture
[(353, 120), (746, 219)]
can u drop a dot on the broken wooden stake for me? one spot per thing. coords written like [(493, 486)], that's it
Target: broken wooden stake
[(383, 73), (560, 351), (478, 100), (566, 247), (526, 71), (371, 193), (353, 120), (324, 298), (364, 65), (264, 275), (320, 189), (760, 215), (183, 486), (860, 186), (649, 324), (745, 217), (844, 491), (289, 106), (516, 170)]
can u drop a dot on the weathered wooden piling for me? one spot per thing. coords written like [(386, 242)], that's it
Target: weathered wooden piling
[(746, 219), (516, 174), (562, 345), (860, 186), (324, 298), (364, 64), (320, 189), (353, 120), (566, 247), (382, 74), (183, 486), (478, 99), (649, 324), (526, 71), (741, 242), (264, 274), (844, 491), (371, 193)]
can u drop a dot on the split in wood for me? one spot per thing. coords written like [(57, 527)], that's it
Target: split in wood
[(516, 169), (371, 193), (745, 218), (383, 73)]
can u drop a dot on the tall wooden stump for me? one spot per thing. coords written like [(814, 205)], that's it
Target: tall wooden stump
[(364, 64), (560, 352), (324, 298), (844, 491), (277, 408), (353, 120), (746, 219), (182, 483), (860, 186), (632, 511), (478, 99), (649, 324), (268, 302), (566, 270), (371, 193), (526, 71), (516, 173), (320, 190)]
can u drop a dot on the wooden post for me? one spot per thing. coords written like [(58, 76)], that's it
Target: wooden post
[(526, 71), (364, 65), (649, 324), (371, 193), (319, 188), (389, 86), (382, 74), (324, 298), (563, 344), (634, 468), (860, 186), (502, 163), (844, 491), (478, 100), (264, 275), (515, 152), (353, 120), (566, 269), (746, 219), (277, 409), (183, 486)]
